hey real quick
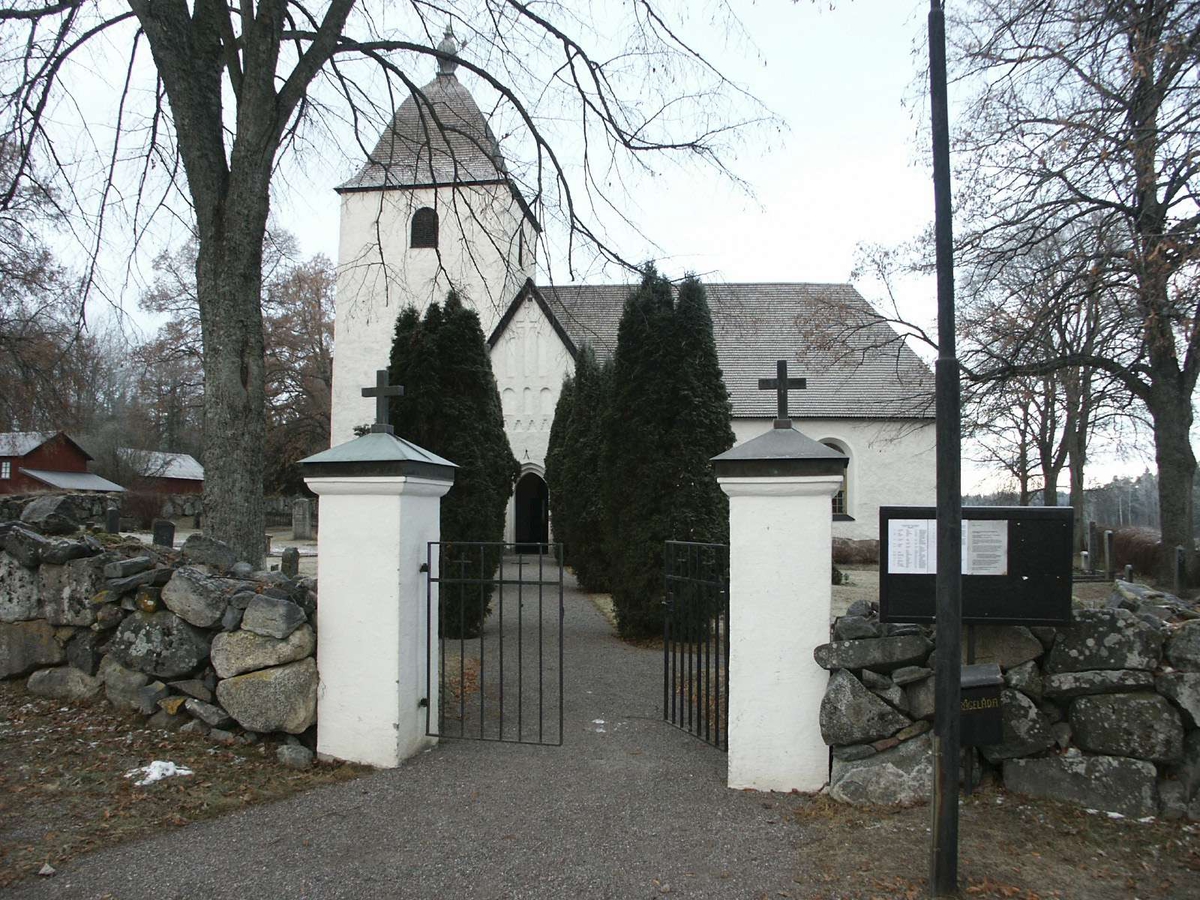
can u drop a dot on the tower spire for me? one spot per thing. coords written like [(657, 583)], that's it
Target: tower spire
[(450, 46)]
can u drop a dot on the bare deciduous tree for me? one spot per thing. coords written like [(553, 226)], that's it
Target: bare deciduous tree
[(229, 90), (1085, 113)]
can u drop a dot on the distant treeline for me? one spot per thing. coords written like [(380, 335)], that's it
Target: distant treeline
[(1123, 501)]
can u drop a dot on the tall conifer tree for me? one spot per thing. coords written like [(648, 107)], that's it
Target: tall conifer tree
[(557, 448), (573, 468), (451, 406), (667, 414)]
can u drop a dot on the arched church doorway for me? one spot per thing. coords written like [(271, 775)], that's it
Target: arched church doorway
[(532, 513)]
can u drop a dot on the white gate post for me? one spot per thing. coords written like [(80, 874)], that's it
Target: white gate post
[(380, 502), (780, 487)]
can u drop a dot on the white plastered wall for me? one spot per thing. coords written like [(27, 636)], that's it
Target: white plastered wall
[(529, 361), (892, 463), (485, 251)]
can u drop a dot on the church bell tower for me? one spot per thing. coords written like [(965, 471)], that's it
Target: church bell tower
[(433, 208)]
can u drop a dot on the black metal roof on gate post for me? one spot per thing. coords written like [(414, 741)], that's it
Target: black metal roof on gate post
[(380, 452), (780, 452)]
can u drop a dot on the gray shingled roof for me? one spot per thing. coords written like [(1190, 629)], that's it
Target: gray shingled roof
[(440, 139), (157, 464), (856, 365), (18, 443)]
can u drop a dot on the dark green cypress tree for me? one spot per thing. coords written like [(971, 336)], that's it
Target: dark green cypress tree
[(702, 426), (638, 476), (668, 413), (581, 465), (557, 485), (451, 406)]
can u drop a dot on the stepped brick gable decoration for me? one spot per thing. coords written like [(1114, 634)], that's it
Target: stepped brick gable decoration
[(1100, 712)]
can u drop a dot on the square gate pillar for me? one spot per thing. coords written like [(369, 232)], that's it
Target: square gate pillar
[(380, 502), (780, 487)]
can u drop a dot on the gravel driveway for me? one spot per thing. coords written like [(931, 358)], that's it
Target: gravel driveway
[(628, 807)]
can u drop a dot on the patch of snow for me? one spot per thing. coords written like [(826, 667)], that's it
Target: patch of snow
[(1113, 815), (156, 771)]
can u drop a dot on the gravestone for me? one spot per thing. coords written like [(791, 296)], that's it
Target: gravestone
[(163, 531), (289, 563), (112, 520), (302, 520)]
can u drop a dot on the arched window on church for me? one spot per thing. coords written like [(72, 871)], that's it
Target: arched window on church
[(840, 505), (424, 228)]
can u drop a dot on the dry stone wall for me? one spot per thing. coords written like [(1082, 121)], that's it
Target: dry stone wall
[(191, 638), (1102, 712)]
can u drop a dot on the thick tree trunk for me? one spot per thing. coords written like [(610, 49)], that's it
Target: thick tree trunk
[(1172, 412), (229, 285), (1076, 459)]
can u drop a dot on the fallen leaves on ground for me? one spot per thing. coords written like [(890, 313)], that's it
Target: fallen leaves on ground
[(63, 790)]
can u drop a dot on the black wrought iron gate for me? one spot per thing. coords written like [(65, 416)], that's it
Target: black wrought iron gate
[(696, 640), (495, 638)]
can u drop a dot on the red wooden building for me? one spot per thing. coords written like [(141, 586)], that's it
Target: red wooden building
[(166, 473), (44, 461)]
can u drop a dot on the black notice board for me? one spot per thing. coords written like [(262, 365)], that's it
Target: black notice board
[(1035, 588)]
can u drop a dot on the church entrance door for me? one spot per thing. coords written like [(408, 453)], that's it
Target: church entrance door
[(532, 513)]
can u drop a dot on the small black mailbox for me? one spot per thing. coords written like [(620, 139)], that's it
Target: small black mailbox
[(980, 705)]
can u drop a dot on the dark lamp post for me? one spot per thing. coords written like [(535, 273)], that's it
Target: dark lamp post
[(943, 876)]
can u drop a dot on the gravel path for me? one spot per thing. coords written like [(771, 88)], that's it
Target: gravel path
[(628, 808)]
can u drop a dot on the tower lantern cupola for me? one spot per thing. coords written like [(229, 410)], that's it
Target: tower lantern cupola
[(449, 46)]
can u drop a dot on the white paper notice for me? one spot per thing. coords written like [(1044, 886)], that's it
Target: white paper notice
[(985, 547), (912, 546)]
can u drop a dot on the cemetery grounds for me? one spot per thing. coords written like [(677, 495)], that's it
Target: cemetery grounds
[(64, 792)]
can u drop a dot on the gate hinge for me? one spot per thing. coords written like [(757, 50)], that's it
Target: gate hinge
[(422, 703), (424, 567)]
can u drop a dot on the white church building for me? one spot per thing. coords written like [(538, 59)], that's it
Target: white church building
[(434, 207)]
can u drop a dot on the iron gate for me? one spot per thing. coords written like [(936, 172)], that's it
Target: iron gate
[(495, 662), (696, 640)]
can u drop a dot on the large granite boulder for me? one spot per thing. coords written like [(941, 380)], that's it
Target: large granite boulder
[(901, 775), (19, 597), (879, 654), (195, 597), (1183, 647), (52, 514), (235, 652), (278, 699), (1182, 689), (217, 555), (1026, 678), (160, 644), (123, 568), (921, 695), (272, 616), (63, 683), (1105, 639), (26, 546), (63, 551), (1068, 685), (1142, 726), (1005, 645), (25, 646), (86, 649), (122, 686), (1111, 783), (851, 714), (1026, 730), (67, 591)]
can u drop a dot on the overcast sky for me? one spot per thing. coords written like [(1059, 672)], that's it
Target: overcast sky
[(850, 166)]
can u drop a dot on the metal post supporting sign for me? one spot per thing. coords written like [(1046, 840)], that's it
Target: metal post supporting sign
[(943, 880)]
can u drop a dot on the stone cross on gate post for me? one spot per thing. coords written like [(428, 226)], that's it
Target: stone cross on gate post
[(781, 384), (381, 392)]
